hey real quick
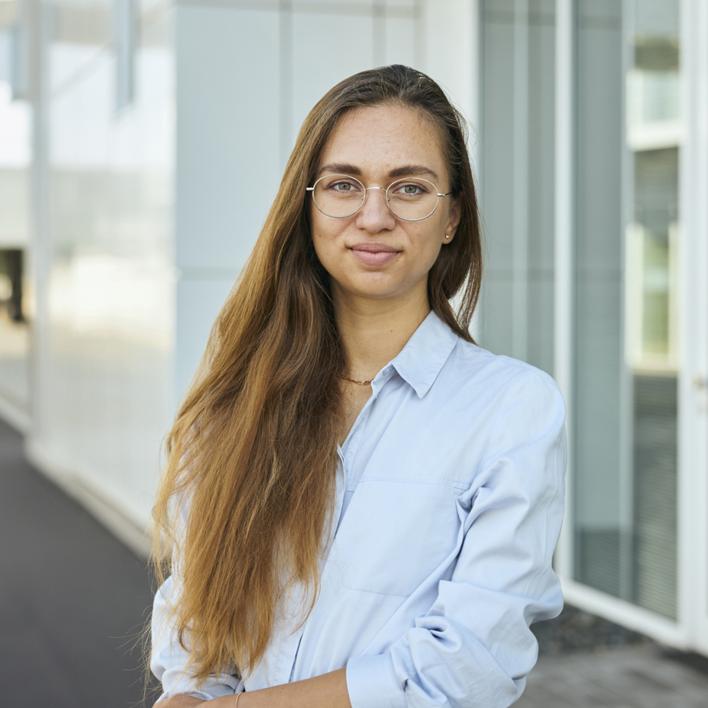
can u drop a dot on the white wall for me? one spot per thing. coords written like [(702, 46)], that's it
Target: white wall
[(103, 264), (15, 155)]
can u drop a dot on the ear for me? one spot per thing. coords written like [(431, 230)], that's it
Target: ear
[(453, 220)]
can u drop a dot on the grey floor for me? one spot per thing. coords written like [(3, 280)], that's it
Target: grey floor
[(73, 600), (634, 676)]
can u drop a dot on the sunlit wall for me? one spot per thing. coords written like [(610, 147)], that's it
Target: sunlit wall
[(104, 249)]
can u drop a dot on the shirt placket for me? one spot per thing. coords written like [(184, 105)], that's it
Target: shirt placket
[(346, 453)]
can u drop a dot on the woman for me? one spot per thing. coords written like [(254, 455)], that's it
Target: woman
[(364, 503)]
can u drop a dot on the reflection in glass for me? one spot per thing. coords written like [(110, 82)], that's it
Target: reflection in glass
[(625, 390)]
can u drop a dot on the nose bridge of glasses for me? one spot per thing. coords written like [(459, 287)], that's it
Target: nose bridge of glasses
[(384, 197)]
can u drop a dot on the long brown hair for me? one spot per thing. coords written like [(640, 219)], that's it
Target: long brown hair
[(253, 444)]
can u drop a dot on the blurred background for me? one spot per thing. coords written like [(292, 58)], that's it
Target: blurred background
[(141, 144)]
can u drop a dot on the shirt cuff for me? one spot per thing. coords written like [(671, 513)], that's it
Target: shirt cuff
[(372, 682), (195, 694)]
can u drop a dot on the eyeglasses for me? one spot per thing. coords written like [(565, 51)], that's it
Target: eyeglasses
[(340, 196)]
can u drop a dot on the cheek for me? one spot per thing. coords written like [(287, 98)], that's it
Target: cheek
[(316, 230), (428, 245), (324, 241)]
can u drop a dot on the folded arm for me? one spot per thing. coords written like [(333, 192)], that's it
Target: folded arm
[(474, 646)]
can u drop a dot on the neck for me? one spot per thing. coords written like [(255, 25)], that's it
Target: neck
[(374, 331)]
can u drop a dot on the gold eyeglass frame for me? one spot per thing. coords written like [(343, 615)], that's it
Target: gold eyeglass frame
[(366, 194)]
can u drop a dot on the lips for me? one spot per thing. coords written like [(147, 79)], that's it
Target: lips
[(374, 254), (374, 248)]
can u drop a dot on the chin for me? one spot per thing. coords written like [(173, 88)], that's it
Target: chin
[(384, 292)]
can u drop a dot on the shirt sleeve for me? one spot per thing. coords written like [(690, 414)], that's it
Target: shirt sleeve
[(168, 659), (474, 647)]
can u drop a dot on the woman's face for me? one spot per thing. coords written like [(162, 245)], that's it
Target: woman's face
[(371, 143)]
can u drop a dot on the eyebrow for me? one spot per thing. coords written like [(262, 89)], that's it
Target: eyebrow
[(403, 171)]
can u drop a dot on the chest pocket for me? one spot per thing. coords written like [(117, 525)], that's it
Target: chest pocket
[(394, 534)]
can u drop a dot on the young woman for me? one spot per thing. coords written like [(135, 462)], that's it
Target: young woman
[(363, 503)]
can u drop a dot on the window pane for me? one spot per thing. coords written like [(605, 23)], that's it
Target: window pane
[(625, 382), (517, 178)]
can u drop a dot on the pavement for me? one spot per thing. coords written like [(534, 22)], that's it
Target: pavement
[(74, 599), (643, 675)]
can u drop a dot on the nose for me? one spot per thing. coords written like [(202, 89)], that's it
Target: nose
[(375, 215)]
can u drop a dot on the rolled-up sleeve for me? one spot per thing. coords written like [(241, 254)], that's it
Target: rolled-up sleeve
[(474, 647), (168, 658)]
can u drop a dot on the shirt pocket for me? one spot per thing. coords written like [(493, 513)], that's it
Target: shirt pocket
[(395, 534)]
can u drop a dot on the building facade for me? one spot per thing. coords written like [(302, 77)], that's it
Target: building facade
[(142, 141)]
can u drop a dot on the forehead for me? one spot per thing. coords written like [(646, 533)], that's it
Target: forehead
[(380, 138)]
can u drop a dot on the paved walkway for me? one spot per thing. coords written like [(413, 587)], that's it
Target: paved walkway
[(73, 600), (634, 676)]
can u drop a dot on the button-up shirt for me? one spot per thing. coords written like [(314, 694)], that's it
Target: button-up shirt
[(449, 503)]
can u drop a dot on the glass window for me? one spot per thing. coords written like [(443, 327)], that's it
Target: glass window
[(625, 319), (517, 178)]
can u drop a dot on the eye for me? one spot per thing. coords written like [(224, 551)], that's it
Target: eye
[(409, 189), (343, 186)]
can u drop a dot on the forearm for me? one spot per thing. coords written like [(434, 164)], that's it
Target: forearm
[(325, 691)]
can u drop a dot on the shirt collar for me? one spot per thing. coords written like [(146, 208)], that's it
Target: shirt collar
[(425, 352)]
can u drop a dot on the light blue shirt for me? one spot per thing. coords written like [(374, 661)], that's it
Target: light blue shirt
[(450, 499)]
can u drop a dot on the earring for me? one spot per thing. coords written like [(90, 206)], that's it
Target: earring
[(447, 235)]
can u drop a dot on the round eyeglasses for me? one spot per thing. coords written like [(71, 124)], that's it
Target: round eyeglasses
[(341, 196)]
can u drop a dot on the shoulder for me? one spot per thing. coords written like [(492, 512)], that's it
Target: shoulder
[(506, 396), (511, 418), (497, 373)]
